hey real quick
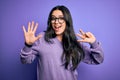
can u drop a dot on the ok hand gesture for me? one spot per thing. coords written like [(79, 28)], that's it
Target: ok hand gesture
[(29, 35), (86, 37)]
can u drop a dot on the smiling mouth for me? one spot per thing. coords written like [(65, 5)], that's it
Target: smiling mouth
[(57, 28)]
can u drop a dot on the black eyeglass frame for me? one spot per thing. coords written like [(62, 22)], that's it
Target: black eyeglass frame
[(60, 20)]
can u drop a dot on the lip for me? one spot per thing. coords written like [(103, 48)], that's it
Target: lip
[(56, 28)]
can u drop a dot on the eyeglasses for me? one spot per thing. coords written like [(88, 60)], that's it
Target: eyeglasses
[(60, 20)]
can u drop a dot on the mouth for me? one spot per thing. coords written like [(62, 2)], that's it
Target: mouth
[(56, 28)]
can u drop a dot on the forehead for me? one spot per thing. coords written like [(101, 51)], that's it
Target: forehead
[(57, 13)]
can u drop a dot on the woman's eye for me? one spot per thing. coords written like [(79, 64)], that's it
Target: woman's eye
[(53, 18)]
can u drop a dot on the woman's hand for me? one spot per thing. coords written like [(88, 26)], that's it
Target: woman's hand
[(29, 35), (86, 37)]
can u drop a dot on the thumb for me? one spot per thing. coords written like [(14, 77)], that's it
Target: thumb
[(38, 37), (81, 40)]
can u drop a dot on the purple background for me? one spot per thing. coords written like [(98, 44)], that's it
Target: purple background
[(101, 17)]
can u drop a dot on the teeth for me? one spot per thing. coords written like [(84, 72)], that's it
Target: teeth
[(58, 27)]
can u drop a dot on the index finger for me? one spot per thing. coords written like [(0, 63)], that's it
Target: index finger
[(36, 25), (82, 32)]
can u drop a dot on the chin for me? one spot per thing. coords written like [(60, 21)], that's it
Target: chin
[(58, 33)]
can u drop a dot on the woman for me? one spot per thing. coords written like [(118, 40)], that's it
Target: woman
[(58, 50)]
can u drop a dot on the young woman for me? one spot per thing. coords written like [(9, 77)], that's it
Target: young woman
[(57, 49)]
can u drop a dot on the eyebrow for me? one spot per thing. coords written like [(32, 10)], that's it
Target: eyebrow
[(58, 16)]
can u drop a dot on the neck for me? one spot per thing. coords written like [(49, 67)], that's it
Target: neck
[(59, 37)]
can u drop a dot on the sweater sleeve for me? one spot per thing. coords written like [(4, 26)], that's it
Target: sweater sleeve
[(28, 54), (93, 54)]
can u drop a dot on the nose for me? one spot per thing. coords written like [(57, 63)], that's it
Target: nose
[(56, 21)]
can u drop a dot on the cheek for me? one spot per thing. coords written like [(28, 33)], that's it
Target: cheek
[(64, 26), (52, 26)]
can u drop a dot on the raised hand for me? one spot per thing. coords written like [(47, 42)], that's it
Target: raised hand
[(86, 37), (29, 35)]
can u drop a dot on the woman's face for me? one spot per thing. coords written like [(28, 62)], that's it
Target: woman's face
[(58, 22)]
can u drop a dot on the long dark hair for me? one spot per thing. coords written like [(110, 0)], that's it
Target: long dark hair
[(72, 50)]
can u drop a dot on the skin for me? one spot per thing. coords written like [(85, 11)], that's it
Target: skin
[(58, 28), (30, 37), (87, 37), (29, 34)]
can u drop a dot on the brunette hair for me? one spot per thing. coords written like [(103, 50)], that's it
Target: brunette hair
[(72, 51)]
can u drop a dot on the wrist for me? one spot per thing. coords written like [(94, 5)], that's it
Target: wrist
[(28, 45)]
